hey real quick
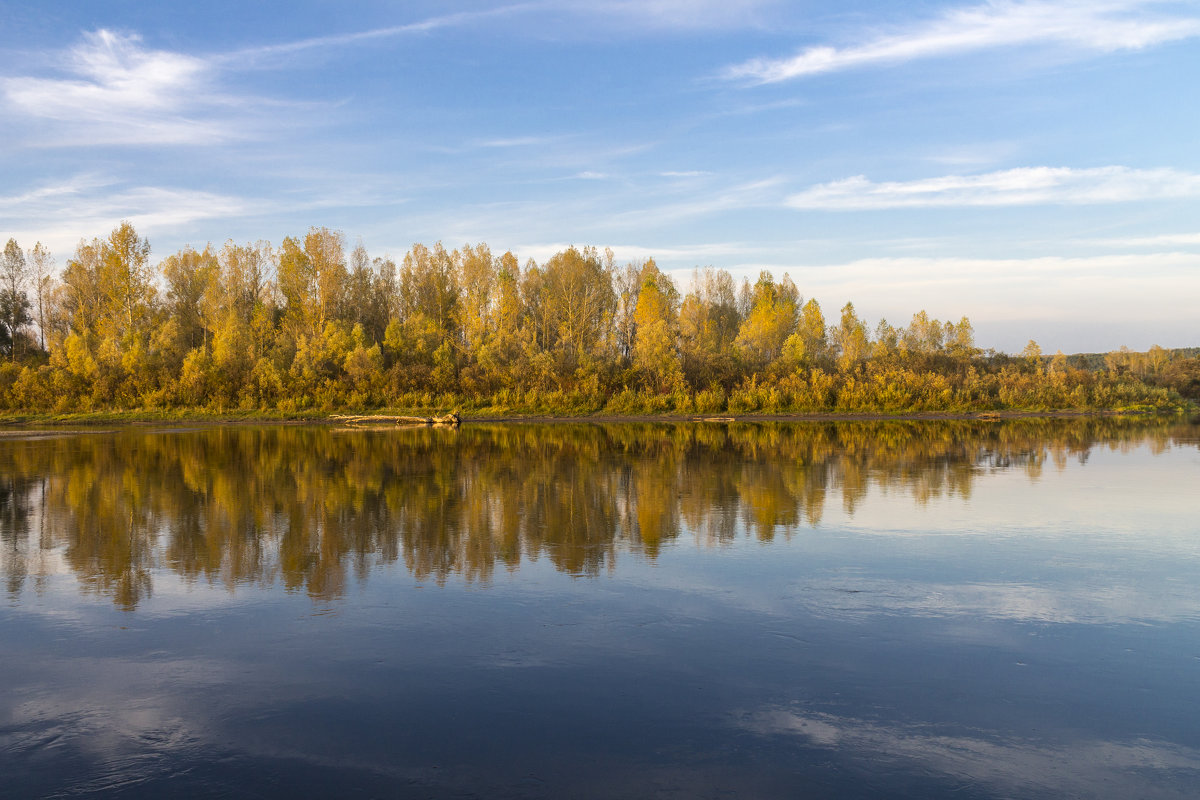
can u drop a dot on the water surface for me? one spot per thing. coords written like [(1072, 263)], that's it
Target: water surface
[(693, 610)]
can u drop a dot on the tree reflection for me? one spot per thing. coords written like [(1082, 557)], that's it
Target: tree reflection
[(312, 508)]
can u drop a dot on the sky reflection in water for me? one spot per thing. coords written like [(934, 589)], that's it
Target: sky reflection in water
[(892, 609)]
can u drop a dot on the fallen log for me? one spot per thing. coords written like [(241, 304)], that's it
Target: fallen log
[(451, 419)]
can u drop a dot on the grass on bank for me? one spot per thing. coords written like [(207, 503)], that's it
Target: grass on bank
[(623, 405)]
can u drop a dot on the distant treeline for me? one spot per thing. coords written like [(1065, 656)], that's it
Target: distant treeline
[(303, 326)]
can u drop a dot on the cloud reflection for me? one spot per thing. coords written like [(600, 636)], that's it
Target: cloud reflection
[(1008, 765)]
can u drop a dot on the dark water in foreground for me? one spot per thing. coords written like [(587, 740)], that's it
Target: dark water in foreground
[(925, 610)]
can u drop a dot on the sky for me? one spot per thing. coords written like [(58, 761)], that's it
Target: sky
[(1030, 164)]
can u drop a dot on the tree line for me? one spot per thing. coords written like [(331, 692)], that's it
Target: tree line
[(308, 325)]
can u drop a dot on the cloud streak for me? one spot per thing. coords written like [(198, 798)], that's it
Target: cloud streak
[(1013, 187), (1087, 25), (459, 19)]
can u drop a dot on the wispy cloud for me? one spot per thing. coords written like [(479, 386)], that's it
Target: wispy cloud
[(977, 156), (91, 205), (116, 90), (517, 141), (1013, 187), (755, 194), (1086, 25), (699, 253), (680, 15), (1161, 240), (113, 90), (66, 190), (459, 19)]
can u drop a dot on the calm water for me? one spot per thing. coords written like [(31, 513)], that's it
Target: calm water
[(959, 610)]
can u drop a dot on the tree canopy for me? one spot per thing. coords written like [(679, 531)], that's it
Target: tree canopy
[(308, 326)]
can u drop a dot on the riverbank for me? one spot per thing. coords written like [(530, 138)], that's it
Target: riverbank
[(258, 417)]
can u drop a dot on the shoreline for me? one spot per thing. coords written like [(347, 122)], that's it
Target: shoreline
[(143, 418)]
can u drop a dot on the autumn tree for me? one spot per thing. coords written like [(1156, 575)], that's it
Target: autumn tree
[(192, 280), (1032, 356), (127, 283), (246, 273), (510, 342), (42, 264), (366, 299), (627, 283), (297, 285), (708, 326), (14, 305), (425, 336), (959, 340), (81, 296), (326, 255), (429, 286), (887, 342), (249, 291), (809, 345), (850, 339), (579, 302), (477, 280), (655, 350), (770, 320), (923, 337)]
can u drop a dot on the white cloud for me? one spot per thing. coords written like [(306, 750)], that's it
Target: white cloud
[(115, 73), (117, 91), (1082, 25), (1013, 187)]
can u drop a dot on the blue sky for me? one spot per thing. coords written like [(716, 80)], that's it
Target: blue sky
[(1031, 165)]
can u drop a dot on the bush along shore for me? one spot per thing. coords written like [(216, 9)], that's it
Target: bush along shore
[(305, 330)]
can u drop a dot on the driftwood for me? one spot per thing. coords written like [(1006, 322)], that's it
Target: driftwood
[(451, 419)]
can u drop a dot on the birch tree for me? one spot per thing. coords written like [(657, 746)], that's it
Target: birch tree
[(14, 305)]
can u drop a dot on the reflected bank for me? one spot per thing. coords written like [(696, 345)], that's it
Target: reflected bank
[(315, 507)]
